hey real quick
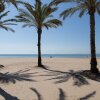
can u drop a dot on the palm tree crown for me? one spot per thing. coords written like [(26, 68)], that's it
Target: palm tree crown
[(38, 16), (83, 6)]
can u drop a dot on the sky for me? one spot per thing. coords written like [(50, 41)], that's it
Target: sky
[(73, 37)]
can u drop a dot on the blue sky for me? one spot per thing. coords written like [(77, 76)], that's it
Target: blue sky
[(71, 38)]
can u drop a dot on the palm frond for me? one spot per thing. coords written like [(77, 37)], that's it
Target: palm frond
[(32, 11), (9, 20), (52, 23), (98, 10), (23, 3), (98, 4), (22, 19), (82, 7), (25, 18), (69, 11), (29, 25), (98, 7), (9, 24), (26, 14), (47, 12), (4, 23), (11, 1), (4, 14), (56, 2), (29, 8), (82, 12), (6, 28)]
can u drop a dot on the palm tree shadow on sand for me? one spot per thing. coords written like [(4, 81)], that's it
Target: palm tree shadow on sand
[(62, 95), (39, 96), (80, 77), (2, 66), (87, 97), (6, 95), (21, 75)]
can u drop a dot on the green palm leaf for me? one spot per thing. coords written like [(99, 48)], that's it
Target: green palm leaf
[(52, 23), (4, 14), (5, 23)]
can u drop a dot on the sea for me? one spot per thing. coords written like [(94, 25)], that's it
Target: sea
[(46, 55)]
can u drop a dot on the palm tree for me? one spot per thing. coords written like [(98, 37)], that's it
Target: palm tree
[(38, 16), (84, 6)]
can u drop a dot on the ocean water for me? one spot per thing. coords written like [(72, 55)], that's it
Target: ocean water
[(46, 55)]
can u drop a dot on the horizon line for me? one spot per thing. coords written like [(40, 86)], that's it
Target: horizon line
[(48, 54)]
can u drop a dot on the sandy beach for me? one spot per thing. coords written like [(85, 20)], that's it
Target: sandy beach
[(21, 79)]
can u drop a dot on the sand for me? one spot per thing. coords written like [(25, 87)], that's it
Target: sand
[(21, 79)]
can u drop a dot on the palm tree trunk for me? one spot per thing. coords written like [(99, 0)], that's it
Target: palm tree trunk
[(39, 47), (93, 62)]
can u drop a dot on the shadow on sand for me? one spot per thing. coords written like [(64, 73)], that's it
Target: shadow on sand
[(87, 97), (7, 96), (62, 95), (79, 77), (37, 93), (21, 75), (2, 66)]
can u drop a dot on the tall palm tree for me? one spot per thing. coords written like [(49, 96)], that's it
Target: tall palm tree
[(38, 16), (84, 6)]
